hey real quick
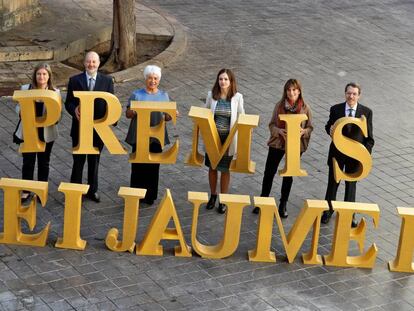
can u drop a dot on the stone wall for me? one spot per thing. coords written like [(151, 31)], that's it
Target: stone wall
[(16, 12)]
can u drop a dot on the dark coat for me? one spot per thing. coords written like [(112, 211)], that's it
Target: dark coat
[(103, 83), (338, 111)]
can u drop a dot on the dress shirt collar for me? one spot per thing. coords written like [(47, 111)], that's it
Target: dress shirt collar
[(88, 76), (347, 107)]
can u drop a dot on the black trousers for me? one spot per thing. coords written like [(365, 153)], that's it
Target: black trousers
[(146, 175), (274, 157), (43, 160), (93, 166), (351, 166)]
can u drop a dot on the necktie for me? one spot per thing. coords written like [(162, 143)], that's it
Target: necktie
[(91, 84), (348, 127)]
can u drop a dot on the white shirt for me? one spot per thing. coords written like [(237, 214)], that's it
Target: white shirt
[(347, 107), (88, 77)]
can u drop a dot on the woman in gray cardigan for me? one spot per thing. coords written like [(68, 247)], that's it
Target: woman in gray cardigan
[(41, 79), (226, 104)]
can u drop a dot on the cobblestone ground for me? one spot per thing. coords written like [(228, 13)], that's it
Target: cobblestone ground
[(325, 44)]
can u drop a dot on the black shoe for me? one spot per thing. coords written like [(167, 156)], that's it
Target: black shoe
[(354, 223), (326, 216), (282, 209), (256, 210), (148, 201), (222, 208), (212, 202), (26, 197), (94, 197)]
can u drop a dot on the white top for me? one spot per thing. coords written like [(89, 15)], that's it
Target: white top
[(237, 108), (50, 133), (347, 108)]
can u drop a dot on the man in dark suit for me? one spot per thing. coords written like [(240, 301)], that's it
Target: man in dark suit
[(89, 80), (350, 108)]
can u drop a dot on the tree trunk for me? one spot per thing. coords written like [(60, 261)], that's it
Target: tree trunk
[(123, 42)]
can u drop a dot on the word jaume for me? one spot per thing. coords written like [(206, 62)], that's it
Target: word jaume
[(309, 217)]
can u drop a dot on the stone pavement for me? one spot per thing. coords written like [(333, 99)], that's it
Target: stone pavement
[(323, 43)]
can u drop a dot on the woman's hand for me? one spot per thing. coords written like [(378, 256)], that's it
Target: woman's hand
[(282, 132), (167, 117), (130, 114), (77, 112)]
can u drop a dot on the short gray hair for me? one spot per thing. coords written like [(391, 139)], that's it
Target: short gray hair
[(152, 69)]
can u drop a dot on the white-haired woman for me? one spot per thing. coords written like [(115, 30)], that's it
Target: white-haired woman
[(146, 175)]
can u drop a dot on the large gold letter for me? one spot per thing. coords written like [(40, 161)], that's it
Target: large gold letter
[(403, 260), (292, 159), (145, 131), (158, 230), (72, 218), (14, 212), (309, 216), (204, 123), (131, 197), (351, 148), (102, 126), (230, 240), (343, 233), (53, 108)]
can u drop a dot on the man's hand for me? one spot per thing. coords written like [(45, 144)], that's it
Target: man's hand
[(77, 112)]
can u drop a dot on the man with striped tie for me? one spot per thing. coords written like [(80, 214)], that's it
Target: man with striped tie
[(89, 80), (350, 108)]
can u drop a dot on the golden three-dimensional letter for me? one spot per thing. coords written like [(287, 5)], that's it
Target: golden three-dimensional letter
[(145, 131), (403, 262), (14, 212), (292, 159), (352, 149), (72, 217), (230, 241), (158, 230), (204, 123), (344, 233), (102, 126), (309, 217), (131, 197), (53, 108)]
